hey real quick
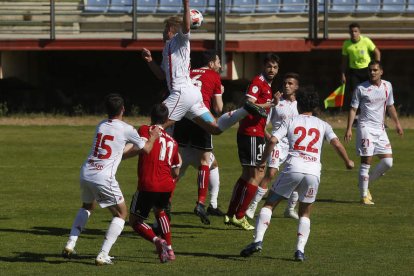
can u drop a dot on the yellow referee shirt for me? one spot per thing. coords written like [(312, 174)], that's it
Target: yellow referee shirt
[(358, 53)]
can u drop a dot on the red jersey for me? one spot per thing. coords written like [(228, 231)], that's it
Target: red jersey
[(154, 169), (261, 91), (209, 83)]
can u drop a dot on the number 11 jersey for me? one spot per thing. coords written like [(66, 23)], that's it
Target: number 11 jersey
[(154, 168), (305, 135)]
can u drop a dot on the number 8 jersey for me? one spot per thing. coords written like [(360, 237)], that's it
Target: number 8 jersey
[(154, 169), (305, 135), (107, 149)]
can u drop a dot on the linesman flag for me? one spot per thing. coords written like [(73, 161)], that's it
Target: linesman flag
[(336, 98)]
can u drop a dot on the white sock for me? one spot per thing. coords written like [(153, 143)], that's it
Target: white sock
[(79, 224), (214, 186), (384, 165), (230, 118), (257, 198), (114, 230), (364, 179), (293, 199), (262, 222), (303, 233)]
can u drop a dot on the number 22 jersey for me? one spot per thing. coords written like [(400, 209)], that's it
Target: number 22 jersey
[(305, 136), (108, 145)]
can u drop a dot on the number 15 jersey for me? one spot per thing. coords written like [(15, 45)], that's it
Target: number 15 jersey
[(305, 136), (107, 149)]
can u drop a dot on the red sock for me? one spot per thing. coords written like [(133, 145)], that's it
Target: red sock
[(235, 197), (144, 230), (164, 223), (249, 191), (202, 180)]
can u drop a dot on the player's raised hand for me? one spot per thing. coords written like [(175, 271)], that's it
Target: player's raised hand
[(155, 132), (146, 55), (276, 97)]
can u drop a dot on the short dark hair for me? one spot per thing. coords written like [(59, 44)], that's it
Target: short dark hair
[(308, 100), (292, 75), (272, 58), (159, 114), (114, 104), (209, 55), (354, 25), (375, 62)]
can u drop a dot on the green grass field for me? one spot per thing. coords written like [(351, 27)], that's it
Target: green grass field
[(40, 196)]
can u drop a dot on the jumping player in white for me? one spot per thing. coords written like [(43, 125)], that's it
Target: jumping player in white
[(373, 97), (285, 109), (305, 134), (97, 176), (185, 99)]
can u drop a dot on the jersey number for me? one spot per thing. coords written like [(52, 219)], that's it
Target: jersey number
[(164, 146), (101, 143), (312, 132), (365, 143)]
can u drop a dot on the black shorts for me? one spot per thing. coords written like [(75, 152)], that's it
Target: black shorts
[(186, 132), (250, 149), (143, 202)]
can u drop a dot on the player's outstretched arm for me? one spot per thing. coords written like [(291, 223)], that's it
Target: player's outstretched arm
[(186, 17), (130, 151), (155, 68), (340, 150), (351, 118), (394, 117)]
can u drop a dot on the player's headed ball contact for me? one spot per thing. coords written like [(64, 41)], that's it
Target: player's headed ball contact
[(196, 18)]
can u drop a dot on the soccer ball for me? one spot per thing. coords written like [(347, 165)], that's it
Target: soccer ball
[(196, 18)]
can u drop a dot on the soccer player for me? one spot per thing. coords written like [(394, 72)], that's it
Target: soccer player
[(373, 98), (284, 110), (157, 171), (185, 99), (97, 176), (305, 135), (196, 146), (250, 144)]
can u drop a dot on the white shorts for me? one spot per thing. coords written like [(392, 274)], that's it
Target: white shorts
[(187, 102), (278, 156), (372, 141), (191, 157), (106, 195), (305, 184)]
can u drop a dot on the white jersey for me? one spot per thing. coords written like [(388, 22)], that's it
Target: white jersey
[(107, 149), (284, 110), (176, 61), (305, 135), (372, 101)]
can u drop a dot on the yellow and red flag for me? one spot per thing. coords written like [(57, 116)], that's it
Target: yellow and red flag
[(336, 98)]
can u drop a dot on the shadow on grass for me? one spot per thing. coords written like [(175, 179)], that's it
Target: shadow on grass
[(206, 227), (30, 257), (210, 255), (329, 200), (51, 231)]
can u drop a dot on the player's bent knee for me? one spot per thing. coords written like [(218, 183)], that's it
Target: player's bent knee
[(388, 162)]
